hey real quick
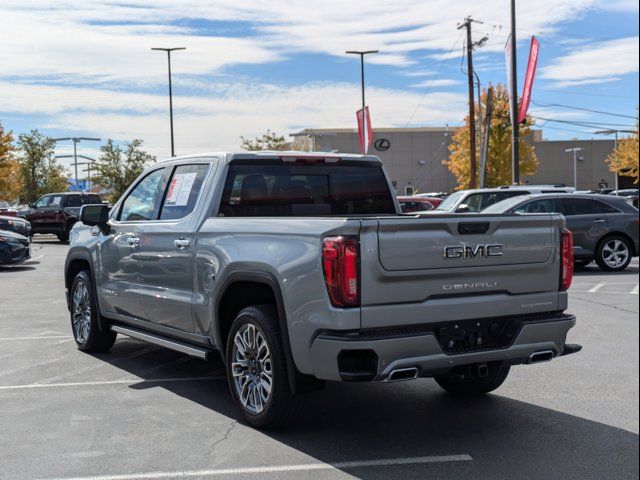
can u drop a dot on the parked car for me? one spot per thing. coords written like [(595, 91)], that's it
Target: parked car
[(299, 268), (473, 201), (57, 212), (14, 248), (605, 227), (440, 195), (15, 224), (415, 204), (631, 194), (7, 210)]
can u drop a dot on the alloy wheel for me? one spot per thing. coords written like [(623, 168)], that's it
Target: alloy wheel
[(81, 312), (615, 253), (251, 368)]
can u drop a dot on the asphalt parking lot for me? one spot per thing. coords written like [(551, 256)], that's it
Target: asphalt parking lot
[(141, 411)]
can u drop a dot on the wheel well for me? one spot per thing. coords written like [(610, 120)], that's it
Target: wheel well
[(75, 267), (623, 235), (237, 296)]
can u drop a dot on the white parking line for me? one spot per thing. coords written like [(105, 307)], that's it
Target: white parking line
[(47, 337), (635, 290), (597, 287), (108, 382), (305, 467)]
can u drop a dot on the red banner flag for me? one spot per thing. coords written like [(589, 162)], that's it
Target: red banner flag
[(528, 80), (365, 134)]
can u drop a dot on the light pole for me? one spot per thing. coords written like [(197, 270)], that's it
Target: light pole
[(75, 141), (575, 151), (90, 162), (362, 53), (615, 147), (169, 50), (515, 128)]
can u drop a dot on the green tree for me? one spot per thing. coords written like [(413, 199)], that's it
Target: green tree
[(268, 141), (118, 167), (624, 159), (40, 171), (498, 169), (10, 179)]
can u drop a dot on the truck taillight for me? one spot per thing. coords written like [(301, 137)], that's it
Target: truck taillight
[(566, 267), (341, 266)]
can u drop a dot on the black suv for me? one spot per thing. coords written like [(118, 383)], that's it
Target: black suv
[(57, 212)]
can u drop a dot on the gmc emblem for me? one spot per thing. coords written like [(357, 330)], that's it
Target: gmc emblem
[(489, 250)]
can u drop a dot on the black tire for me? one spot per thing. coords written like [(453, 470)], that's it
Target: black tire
[(89, 338), (282, 405), (64, 237), (604, 258), (474, 386)]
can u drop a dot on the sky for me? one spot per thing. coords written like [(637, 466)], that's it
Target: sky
[(86, 68)]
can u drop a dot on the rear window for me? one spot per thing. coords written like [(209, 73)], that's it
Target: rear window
[(479, 201), (282, 190)]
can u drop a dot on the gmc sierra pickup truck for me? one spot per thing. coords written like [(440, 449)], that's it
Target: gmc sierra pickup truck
[(300, 268)]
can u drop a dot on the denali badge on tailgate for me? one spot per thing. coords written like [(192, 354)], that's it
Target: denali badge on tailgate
[(459, 251)]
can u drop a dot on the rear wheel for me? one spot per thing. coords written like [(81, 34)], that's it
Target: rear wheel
[(614, 253), (464, 386), (84, 317), (257, 369)]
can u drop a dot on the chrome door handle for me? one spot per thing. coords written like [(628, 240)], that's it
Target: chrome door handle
[(133, 241), (599, 220), (181, 243)]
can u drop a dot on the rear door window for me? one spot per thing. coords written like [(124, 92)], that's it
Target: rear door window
[(183, 191), (276, 189), (74, 201), (580, 206), (479, 201)]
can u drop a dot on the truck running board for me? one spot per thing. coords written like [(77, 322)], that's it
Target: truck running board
[(176, 345)]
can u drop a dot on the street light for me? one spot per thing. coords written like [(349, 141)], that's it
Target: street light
[(75, 141), (575, 151), (615, 147), (88, 164), (362, 53), (169, 50)]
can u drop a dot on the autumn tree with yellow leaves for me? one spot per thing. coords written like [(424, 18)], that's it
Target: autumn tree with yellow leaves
[(498, 168), (624, 159), (10, 178)]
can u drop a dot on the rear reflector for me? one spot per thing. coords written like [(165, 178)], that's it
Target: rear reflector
[(566, 266), (341, 266)]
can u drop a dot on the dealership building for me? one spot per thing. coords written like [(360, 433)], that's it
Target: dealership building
[(414, 156)]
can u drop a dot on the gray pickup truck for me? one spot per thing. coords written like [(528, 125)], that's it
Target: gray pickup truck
[(299, 268)]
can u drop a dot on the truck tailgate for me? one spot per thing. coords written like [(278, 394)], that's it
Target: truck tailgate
[(458, 266)]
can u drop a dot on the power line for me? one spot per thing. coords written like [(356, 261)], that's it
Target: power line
[(583, 123), (433, 79), (588, 94), (582, 109)]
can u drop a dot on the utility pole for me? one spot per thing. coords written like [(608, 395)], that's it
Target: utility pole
[(575, 151), (169, 50), (472, 118), (515, 128), (487, 132), (75, 141)]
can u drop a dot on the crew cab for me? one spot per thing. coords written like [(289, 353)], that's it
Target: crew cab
[(299, 268), (57, 212)]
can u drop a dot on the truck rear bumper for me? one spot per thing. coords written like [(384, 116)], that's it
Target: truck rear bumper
[(363, 356)]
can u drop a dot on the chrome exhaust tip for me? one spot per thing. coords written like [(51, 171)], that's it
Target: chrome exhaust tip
[(543, 356), (403, 374)]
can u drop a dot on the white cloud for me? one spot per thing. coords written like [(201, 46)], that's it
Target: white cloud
[(437, 83), (216, 121), (594, 63)]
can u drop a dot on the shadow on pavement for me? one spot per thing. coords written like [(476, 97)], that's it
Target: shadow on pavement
[(351, 422)]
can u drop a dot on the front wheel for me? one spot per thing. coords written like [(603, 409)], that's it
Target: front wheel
[(613, 253), (257, 369), (463, 386), (84, 317)]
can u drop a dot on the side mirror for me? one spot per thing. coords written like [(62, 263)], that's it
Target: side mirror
[(32, 205), (95, 215), (463, 208)]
